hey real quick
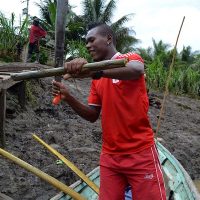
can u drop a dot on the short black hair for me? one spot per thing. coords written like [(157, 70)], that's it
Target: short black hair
[(36, 21), (104, 30)]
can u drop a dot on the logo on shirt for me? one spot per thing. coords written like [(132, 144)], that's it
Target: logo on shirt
[(115, 80), (148, 176)]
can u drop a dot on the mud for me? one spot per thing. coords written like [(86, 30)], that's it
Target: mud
[(79, 140)]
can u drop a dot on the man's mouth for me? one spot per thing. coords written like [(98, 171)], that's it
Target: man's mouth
[(92, 52)]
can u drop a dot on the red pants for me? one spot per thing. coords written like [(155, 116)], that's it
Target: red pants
[(140, 170)]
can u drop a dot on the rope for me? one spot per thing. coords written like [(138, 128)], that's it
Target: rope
[(167, 82)]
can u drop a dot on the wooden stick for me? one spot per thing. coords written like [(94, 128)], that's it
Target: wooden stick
[(61, 13), (91, 184), (106, 64), (168, 81), (2, 117), (51, 180)]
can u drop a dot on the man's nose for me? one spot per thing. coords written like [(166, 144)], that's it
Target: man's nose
[(88, 46)]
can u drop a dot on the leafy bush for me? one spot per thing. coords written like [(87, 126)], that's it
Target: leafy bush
[(78, 49), (43, 57), (12, 38), (184, 80)]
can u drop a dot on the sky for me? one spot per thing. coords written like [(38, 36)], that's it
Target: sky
[(158, 19)]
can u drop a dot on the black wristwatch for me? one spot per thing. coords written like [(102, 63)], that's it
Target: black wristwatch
[(97, 75)]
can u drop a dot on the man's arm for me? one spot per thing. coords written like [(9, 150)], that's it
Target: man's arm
[(133, 70), (90, 113)]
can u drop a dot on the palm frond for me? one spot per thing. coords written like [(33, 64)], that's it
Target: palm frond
[(120, 22), (89, 11), (107, 14), (98, 7)]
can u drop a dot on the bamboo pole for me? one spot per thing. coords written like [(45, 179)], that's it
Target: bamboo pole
[(106, 64), (91, 184), (168, 81), (51, 180)]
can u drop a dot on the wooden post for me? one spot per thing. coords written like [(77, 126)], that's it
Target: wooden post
[(2, 116), (61, 13), (22, 94)]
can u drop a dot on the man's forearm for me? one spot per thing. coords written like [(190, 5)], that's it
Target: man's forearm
[(82, 110), (131, 71)]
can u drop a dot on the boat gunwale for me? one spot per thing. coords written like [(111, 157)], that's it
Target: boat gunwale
[(75, 184)]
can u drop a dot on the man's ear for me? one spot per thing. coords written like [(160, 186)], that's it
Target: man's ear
[(109, 39)]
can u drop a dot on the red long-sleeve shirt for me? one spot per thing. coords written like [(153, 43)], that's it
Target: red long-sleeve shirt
[(36, 32)]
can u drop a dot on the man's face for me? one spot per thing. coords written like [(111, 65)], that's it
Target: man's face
[(97, 44)]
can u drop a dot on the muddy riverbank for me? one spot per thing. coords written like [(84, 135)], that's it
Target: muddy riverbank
[(80, 141)]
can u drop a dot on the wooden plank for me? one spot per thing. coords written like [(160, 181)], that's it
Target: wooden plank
[(17, 67), (4, 73), (6, 82), (2, 117)]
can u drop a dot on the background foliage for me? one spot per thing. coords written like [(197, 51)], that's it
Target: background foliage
[(186, 72)]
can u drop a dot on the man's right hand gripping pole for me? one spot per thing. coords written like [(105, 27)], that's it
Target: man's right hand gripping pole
[(72, 68)]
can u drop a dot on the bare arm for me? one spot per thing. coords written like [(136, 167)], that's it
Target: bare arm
[(133, 70), (90, 113)]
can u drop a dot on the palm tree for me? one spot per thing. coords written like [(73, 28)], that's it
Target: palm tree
[(99, 11), (146, 54), (93, 11), (74, 27), (160, 48), (161, 51), (186, 55)]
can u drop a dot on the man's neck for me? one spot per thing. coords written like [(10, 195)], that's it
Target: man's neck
[(111, 54)]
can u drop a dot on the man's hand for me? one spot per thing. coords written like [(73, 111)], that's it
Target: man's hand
[(74, 67), (60, 89)]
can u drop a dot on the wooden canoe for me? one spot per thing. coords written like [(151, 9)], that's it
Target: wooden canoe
[(178, 183)]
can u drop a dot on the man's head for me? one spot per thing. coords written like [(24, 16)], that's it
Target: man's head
[(35, 21), (100, 41)]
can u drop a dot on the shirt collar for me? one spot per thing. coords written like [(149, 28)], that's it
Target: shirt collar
[(115, 56)]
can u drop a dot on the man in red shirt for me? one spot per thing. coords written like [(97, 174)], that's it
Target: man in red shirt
[(129, 155), (36, 32)]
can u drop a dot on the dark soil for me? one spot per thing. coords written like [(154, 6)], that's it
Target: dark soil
[(79, 140)]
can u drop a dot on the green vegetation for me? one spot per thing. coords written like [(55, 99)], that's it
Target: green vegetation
[(185, 77), (12, 38), (76, 28)]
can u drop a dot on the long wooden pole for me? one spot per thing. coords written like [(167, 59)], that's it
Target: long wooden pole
[(106, 64), (51, 180), (61, 13), (91, 184), (168, 81)]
